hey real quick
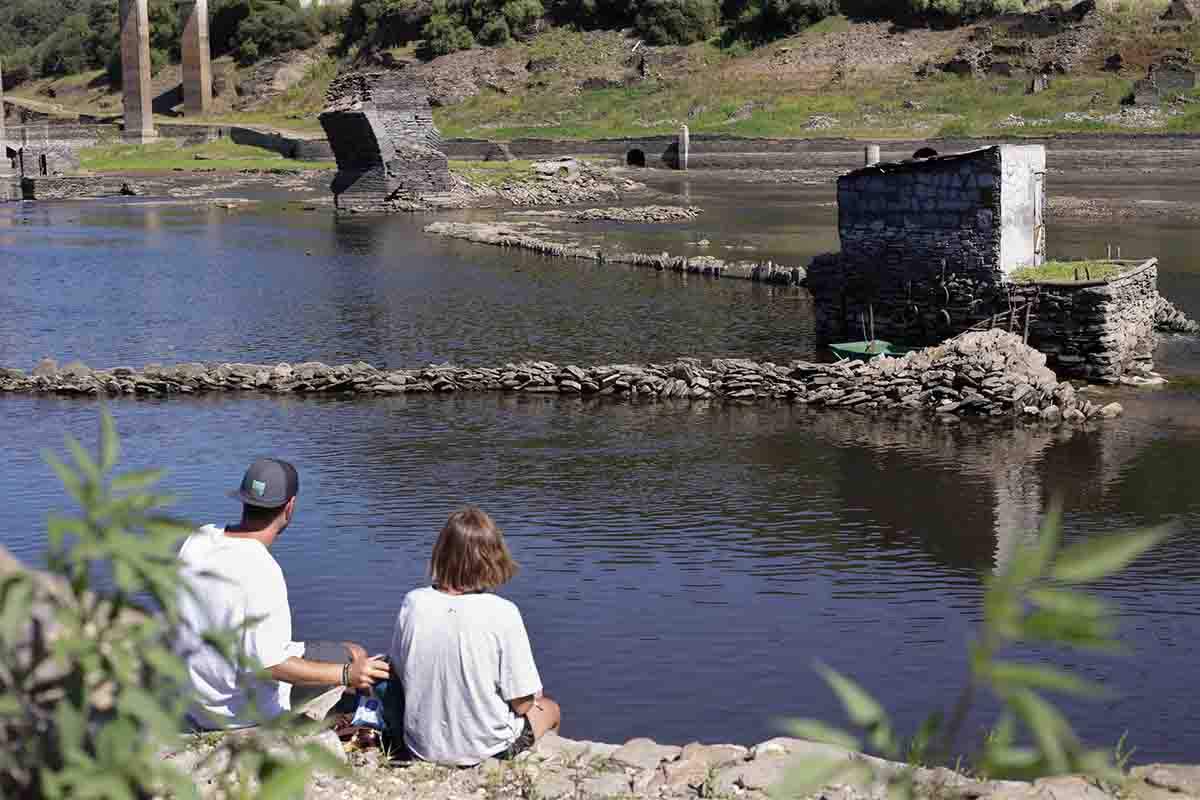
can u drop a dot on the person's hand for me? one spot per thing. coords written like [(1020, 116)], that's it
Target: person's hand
[(355, 650), (365, 671)]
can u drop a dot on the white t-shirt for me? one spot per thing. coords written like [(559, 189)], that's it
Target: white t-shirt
[(234, 579), (461, 658)]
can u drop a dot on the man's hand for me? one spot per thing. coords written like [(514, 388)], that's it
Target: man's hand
[(365, 671), (355, 650)]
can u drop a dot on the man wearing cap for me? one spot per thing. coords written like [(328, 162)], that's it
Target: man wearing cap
[(236, 585)]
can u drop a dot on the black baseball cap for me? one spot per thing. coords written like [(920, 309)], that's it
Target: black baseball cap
[(268, 483)]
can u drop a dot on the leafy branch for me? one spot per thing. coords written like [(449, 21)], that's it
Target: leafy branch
[(1036, 599), (93, 690)]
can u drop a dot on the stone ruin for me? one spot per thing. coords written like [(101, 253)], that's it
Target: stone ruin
[(928, 250), (45, 150), (1174, 75), (1180, 14), (380, 127), (1050, 40)]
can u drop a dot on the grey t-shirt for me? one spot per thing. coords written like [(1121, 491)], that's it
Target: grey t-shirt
[(461, 658)]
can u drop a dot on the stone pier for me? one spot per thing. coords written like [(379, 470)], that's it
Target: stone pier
[(135, 71), (197, 69)]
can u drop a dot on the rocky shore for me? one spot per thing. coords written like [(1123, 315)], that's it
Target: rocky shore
[(557, 768), (981, 374), (501, 234)]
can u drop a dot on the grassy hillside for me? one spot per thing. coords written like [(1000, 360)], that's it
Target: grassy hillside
[(837, 78)]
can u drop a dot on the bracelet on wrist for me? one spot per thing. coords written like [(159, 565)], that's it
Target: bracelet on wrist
[(346, 674)]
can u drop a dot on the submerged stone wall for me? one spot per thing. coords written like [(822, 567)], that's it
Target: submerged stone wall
[(75, 188), (986, 374), (380, 128)]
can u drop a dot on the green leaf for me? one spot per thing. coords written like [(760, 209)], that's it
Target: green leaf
[(70, 480), (1070, 603), (817, 731), (1102, 556), (137, 480), (83, 461), (1007, 675), (862, 709), (1030, 563), (285, 783), (1047, 726), (110, 445), (810, 774)]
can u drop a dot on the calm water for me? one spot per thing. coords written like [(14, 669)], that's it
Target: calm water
[(682, 567)]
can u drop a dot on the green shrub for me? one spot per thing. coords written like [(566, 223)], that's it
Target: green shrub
[(1034, 599), (677, 21), (590, 14), (91, 687), (272, 28), (760, 21), (446, 31), (522, 16), (495, 31)]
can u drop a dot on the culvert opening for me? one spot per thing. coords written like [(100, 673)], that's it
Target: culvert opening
[(635, 158)]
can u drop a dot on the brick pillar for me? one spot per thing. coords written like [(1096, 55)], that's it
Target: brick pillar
[(135, 71), (197, 69)]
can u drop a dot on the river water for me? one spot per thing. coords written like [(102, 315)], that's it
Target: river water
[(683, 568)]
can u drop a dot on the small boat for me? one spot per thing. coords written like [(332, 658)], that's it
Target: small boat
[(865, 351)]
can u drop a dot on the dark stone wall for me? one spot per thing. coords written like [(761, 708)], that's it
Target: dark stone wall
[(920, 247)]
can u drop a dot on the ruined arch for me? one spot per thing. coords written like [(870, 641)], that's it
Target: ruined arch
[(636, 157)]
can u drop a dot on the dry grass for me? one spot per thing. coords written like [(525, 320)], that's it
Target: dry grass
[(1069, 271)]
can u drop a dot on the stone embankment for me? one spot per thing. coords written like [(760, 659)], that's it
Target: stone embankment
[(557, 768), (984, 374), (507, 235)]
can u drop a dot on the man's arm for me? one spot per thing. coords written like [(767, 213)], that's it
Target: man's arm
[(522, 705), (362, 674)]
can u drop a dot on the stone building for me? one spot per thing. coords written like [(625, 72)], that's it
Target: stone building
[(922, 238), (380, 127), (928, 250), (42, 150)]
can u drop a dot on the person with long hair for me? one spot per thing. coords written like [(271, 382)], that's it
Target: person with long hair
[(471, 689)]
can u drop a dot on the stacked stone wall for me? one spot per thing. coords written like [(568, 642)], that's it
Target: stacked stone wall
[(59, 188), (1100, 331)]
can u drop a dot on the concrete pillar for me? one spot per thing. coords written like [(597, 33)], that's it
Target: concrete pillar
[(2, 138), (135, 71), (197, 69), (871, 155), (684, 146), (6, 166)]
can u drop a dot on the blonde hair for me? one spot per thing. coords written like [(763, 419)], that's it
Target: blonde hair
[(470, 554)]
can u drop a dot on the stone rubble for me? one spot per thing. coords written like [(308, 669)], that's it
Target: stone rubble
[(636, 214), (557, 768), (509, 235), (981, 374)]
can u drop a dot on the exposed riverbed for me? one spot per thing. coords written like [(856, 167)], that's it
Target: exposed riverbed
[(692, 562)]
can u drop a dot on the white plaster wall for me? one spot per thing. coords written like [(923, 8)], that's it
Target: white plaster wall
[(1022, 206)]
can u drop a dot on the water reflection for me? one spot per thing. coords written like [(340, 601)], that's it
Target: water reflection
[(724, 547)]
